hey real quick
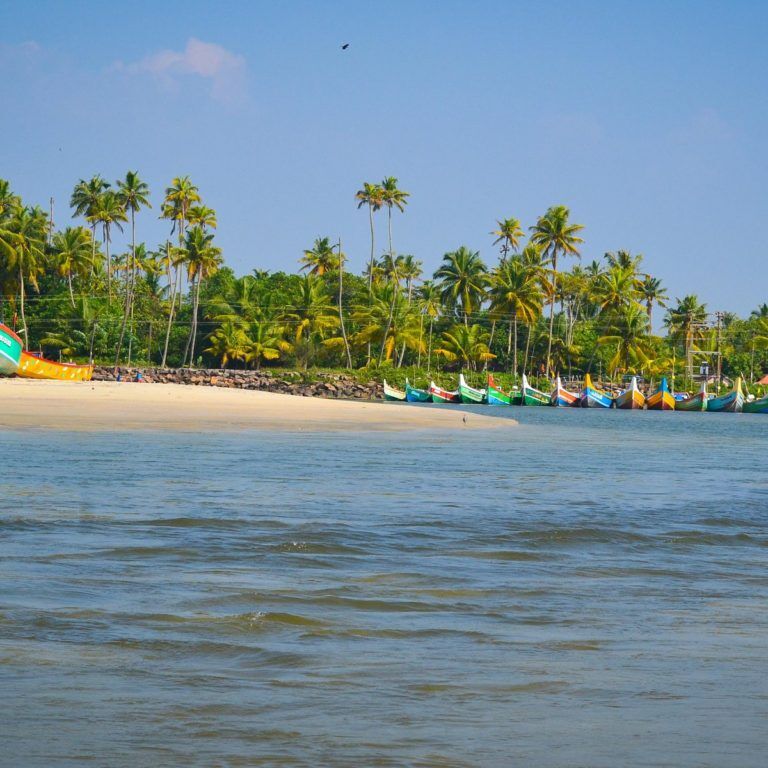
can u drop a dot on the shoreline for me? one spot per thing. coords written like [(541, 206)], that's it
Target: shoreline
[(97, 406)]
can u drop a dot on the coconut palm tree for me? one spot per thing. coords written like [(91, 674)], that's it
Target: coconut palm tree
[(686, 324), (30, 228), (371, 195), (515, 292), (628, 333), (85, 200), (392, 197), (321, 258), (109, 212), (202, 260), (202, 216), (73, 255), (615, 289), (179, 198), (311, 316), (556, 236), (264, 342), (467, 345), (228, 342), (652, 292), (429, 305), (133, 195), (463, 278), (508, 232)]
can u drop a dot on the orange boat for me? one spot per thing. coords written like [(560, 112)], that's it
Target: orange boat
[(32, 367)]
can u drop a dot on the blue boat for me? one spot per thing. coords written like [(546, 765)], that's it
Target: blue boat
[(591, 397), (731, 402), (414, 395)]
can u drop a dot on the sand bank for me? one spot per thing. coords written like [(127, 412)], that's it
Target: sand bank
[(108, 405)]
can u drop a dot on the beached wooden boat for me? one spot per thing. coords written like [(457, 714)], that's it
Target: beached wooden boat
[(591, 397), (697, 402), (631, 398), (562, 398), (10, 351), (392, 393), (469, 394), (731, 402), (760, 405), (415, 395), (532, 396), (661, 399), (440, 395), (495, 395), (33, 367)]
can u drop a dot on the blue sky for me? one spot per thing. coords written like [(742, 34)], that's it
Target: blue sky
[(649, 120)]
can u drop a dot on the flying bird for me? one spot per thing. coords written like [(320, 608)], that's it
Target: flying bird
[(345, 46)]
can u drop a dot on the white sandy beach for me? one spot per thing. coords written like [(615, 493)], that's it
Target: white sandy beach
[(124, 405)]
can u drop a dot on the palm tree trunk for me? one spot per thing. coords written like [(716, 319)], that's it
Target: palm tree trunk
[(341, 309), (552, 310), (515, 356), (194, 318), (170, 314), (527, 349), (128, 309), (71, 292), (370, 265), (389, 225), (109, 264), (21, 305), (490, 343), (389, 322), (429, 350), (421, 336)]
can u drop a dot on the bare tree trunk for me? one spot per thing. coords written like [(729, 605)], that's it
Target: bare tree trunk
[(552, 310), (21, 304), (341, 309), (170, 314)]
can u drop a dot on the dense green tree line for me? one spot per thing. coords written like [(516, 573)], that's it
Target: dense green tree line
[(70, 295)]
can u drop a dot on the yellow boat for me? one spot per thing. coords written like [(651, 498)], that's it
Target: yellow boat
[(662, 399), (31, 367)]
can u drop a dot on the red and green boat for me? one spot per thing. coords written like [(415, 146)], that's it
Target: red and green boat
[(470, 395), (10, 351), (495, 395), (440, 395), (697, 402)]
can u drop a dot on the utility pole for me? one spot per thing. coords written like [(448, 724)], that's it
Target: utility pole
[(719, 316)]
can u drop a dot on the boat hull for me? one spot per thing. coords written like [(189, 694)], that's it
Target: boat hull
[(733, 402), (696, 403), (497, 397), (756, 406), (630, 400), (533, 396), (414, 395), (31, 367), (662, 399), (562, 398), (440, 395), (470, 395), (592, 398), (390, 393), (10, 351)]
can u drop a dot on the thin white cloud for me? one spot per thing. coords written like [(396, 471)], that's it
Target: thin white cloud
[(226, 71)]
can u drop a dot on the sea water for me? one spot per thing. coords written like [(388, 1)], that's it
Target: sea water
[(586, 589)]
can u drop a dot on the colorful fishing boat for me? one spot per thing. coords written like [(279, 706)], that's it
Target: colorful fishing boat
[(440, 395), (591, 397), (661, 399), (10, 351), (562, 398), (631, 398), (760, 405), (33, 367), (415, 395), (532, 396), (392, 393), (697, 402), (495, 395), (469, 394), (731, 402)]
